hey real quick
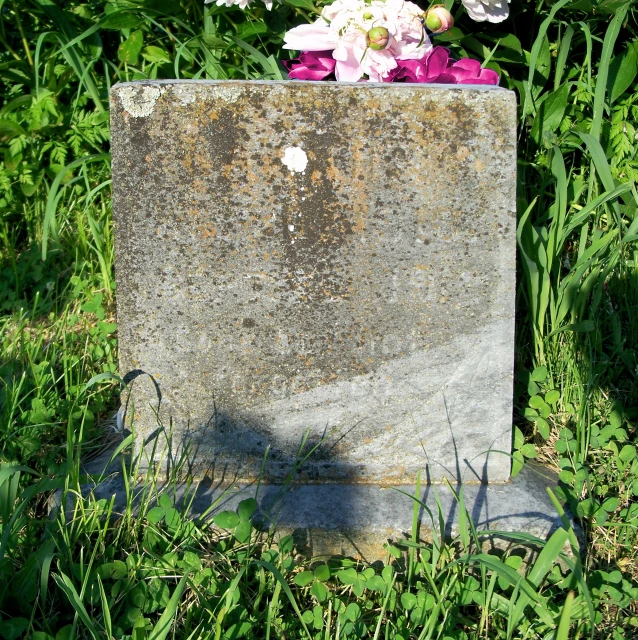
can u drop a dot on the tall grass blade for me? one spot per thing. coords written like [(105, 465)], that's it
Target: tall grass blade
[(603, 69), (49, 226), (66, 586), (163, 626)]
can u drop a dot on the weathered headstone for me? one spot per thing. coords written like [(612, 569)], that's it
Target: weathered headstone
[(330, 258)]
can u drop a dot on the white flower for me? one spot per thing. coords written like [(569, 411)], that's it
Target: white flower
[(242, 4), (490, 10), (343, 29)]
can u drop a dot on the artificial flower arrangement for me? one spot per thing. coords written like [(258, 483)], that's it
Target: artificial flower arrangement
[(383, 41)]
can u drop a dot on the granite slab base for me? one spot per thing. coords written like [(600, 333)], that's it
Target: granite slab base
[(356, 520)]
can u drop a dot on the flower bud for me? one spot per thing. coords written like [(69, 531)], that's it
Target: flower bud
[(438, 19), (378, 38)]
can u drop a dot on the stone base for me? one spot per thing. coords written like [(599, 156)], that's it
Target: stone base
[(357, 520)]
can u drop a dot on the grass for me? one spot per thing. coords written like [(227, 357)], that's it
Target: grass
[(149, 569)]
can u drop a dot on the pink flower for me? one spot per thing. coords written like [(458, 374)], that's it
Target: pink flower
[(468, 71), (436, 66), (311, 65)]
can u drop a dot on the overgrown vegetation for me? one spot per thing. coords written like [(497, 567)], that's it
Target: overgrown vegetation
[(90, 572)]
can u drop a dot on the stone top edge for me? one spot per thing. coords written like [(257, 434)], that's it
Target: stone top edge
[(394, 86)]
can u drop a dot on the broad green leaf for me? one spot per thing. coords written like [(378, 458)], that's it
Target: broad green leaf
[(519, 438), (518, 462), (622, 71), (550, 112), (243, 531), (121, 20), (129, 51), (155, 514), (304, 578), (319, 591), (552, 396), (539, 374), (615, 418), (536, 402), (247, 508), (12, 628), (528, 450), (322, 572), (627, 453), (347, 576), (610, 505), (152, 53), (376, 583), (226, 519), (543, 428)]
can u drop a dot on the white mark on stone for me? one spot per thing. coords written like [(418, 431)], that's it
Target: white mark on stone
[(295, 159), (291, 227), (228, 93), (140, 101)]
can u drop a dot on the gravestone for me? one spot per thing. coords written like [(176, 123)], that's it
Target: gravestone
[(332, 262)]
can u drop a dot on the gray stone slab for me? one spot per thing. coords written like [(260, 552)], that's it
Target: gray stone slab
[(365, 298), (357, 520)]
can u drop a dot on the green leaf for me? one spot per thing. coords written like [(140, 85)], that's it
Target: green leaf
[(243, 531), (376, 583), (10, 129), (121, 20), (627, 453), (155, 54), (353, 612), (65, 585), (319, 591), (156, 514), (308, 5), (518, 462), (531, 414), (539, 374), (519, 438), (159, 595), (408, 600), (13, 628), (543, 428), (304, 578), (129, 51), (130, 616), (286, 545), (226, 519), (536, 402), (347, 576), (528, 450), (322, 572), (552, 397), (238, 630), (615, 418), (451, 35), (163, 626), (550, 112), (610, 505), (247, 508), (622, 71)]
